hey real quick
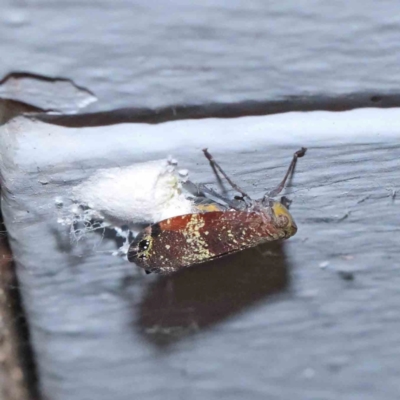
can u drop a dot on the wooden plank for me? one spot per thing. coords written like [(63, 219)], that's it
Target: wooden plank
[(204, 53), (316, 317)]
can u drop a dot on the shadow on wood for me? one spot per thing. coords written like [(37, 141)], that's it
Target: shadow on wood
[(198, 297)]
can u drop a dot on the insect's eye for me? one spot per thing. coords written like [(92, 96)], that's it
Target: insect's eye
[(143, 245), (139, 249)]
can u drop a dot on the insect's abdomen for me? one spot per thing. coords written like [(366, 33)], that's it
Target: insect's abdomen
[(195, 238)]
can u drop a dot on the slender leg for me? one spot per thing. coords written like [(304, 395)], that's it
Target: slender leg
[(201, 191), (279, 188), (192, 188), (214, 164), (224, 201)]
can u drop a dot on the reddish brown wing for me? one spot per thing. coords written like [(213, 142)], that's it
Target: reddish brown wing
[(195, 238), (175, 223)]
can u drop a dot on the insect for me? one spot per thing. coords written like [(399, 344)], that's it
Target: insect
[(218, 226)]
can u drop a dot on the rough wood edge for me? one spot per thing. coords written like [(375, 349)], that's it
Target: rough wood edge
[(15, 377)]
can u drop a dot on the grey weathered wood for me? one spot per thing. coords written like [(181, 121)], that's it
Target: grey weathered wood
[(289, 322), (138, 54), (314, 318)]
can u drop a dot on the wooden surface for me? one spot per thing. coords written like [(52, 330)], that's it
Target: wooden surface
[(313, 318), (135, 54)]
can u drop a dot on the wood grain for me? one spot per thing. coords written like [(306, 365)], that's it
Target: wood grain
[(276, 322)]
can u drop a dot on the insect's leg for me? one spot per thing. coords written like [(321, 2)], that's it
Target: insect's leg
[(193, 189), (202, 191), (216, 165), (214, 196), (279, 188)]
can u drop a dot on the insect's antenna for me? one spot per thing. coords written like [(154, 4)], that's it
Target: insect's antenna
[(216, 165), (279, 188)]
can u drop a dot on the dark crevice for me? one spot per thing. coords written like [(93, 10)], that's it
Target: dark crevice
[(220, 110), (42, 78), (12, 108), (14, 317), (25, 350), (29, 75), (48, 94)]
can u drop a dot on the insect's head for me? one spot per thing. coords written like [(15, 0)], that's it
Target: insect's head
[(140, 248), (283, 219)]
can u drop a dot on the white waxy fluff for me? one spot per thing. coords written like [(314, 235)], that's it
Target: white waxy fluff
[(141, 193), (115, 197)]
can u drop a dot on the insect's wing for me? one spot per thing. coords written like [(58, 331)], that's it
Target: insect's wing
[(195, 238)]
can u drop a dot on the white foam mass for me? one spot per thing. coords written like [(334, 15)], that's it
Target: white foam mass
[(141, 193)]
